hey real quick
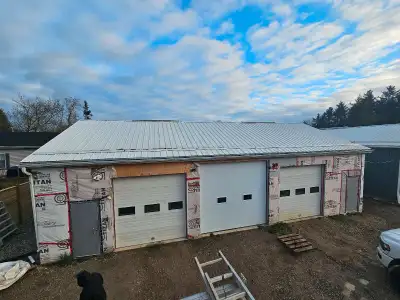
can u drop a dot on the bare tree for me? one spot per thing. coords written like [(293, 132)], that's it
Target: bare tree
[(37, 114), (71, 106)]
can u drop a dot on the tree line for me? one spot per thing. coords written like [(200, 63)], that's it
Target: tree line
[(367, 109), (38, 114)]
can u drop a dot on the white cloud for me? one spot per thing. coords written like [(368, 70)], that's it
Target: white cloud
[(104, 53), (282, 9), (175, 21), (226, 27)]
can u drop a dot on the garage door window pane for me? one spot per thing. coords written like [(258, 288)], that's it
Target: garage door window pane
[(314, 189), (285, 193), (247, 197), (175, 205), (301, 191), (125, 211), (151, 208), (221, 199)]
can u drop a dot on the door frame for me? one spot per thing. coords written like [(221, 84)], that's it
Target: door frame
[(98, 224), (358, 193), (268, 168)]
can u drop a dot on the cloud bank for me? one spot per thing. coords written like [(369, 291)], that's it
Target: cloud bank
[(253, 60)]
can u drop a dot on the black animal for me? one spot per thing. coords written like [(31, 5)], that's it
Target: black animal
[(92, 286)]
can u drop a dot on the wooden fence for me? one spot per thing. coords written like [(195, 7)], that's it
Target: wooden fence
[(18, 202)]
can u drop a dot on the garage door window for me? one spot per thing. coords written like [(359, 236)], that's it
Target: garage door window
[(175, 205), (125, 211), (285, 193), (314, 189), (221, 199), (301, 191), (151, 208), (247, 197)]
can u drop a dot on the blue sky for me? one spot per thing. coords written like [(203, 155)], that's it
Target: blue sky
[(257, 60)]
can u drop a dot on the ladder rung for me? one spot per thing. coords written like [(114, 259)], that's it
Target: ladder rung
[(213, 291), (6, 220), (1, 230), (207, 263), (7, 234), (221, 277), (237, 296)]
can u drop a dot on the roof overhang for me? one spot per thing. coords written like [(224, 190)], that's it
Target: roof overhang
[(103, 162), (19, 147)]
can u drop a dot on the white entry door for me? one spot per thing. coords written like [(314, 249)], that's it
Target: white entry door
[(233, 195), (300, 192), (149, 209)]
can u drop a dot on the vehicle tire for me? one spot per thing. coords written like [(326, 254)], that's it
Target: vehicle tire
[(394, 276)]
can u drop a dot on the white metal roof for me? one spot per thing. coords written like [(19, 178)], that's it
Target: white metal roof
[(376, 136), (127, 141)]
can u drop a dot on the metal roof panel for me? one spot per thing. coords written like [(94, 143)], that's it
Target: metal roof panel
[(149, 140)]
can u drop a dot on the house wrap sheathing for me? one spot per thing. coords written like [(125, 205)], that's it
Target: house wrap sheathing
[(336, 169), (150, 182), (54, 189)]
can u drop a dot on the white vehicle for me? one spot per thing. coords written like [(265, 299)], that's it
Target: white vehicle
[(388, 250)]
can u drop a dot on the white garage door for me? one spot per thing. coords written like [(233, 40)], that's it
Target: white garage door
[(300, 192), (233, 195), (149, 209)]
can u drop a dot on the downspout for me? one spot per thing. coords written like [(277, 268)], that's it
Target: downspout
[(25, 171), (398, 186)]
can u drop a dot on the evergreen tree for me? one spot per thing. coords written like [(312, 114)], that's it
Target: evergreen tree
[(366, 110), (87, 113), (340, 114), (362, 112), (387, 108), (4, 122)]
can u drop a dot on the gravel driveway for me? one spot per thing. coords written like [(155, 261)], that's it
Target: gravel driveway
[(345, 257)]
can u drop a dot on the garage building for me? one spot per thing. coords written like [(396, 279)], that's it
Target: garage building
[(382, 168), (102, 186)]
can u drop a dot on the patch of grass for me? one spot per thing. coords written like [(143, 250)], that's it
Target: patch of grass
[(279, 228), (65, 260)]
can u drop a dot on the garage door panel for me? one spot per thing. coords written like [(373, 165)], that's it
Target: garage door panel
[(146, 227), (292, 206), (233, 181), (156, 227)]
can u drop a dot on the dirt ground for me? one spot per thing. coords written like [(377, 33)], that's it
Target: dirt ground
[(345, 254)]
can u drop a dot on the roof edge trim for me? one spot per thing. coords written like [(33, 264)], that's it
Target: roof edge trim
[(177, 159)]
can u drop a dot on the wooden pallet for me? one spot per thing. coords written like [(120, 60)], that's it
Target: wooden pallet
[(296, 242)]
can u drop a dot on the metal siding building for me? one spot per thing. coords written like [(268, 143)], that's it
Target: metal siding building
[(15, 146), (382, 166), (162, 181)]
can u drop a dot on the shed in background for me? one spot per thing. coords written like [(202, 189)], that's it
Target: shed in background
[(382, 166)]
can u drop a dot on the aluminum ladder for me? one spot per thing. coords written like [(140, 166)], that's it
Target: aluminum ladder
[(7, 225), (232, 291)]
